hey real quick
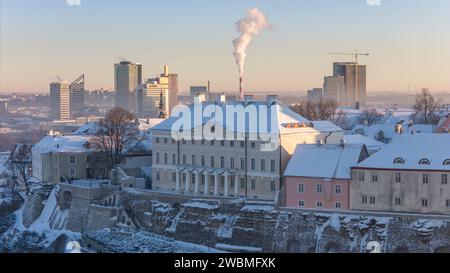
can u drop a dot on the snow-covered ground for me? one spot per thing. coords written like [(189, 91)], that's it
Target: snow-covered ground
[(139, 241)]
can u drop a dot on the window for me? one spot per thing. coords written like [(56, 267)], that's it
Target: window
[(424, 161), (88, 159), (253, 184), (301, 203), (165, 140), (399, 161), (301, 188), (184, 159), (374, 178), (446, 162), (193, 160), (337, 189), (272, 186), (203, 160), (184, 178), (203, 180), (372, 200), (398, 177), (425, 178), (174, 177), (174, 159), (242, 144), (242, 163), (361, 176), (157, 158), (364, 199), (222, 143), (253, 164), (424, 203), (242, 183), (444, 179), (263, 165), (398, 201), (253, 145), (222, 181), (222, 162), (193, 178), (232, 143), (232, 182), (72, 159), (319, 188), (232, 162), (184, 142), (158, 176), (212, 142), (447, 203), (157, 140), (203, 142), (212, 162), (319, 204), (337, 206), (72, 172), (166, 158), (272, 165)]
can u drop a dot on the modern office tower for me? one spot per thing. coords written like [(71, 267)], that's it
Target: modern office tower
[(60, 101), (334, 89), (77, 95), (127, 76), (171, 80), (197, 90), (355, 82), (148, 97), (3, 106), (315, 94)]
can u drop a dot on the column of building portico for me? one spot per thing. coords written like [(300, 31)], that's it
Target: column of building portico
[(206, 184), (216, 184), (236, 186), (225, 193), (197, 183), (186, 190), (178, 181)]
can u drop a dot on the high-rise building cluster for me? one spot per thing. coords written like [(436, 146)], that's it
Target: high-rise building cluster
[(67, 100)]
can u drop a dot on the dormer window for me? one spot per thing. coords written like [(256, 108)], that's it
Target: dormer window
[(399, 161), (424, 161), (446, 162)]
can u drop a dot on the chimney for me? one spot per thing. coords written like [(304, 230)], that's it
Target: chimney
[(166, 70), (241, 89)]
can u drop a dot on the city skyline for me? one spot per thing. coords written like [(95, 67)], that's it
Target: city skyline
[(408, 42)]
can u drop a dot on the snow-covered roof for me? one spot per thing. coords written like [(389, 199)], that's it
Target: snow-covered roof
[(370, 143), (91, 128), (411, 149), (389, 129), (63, 144), (324, 161), (277, 119)]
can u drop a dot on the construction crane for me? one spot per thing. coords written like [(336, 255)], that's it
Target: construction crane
[(355, 54)]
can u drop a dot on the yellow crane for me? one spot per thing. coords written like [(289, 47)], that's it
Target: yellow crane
[(355, 54)]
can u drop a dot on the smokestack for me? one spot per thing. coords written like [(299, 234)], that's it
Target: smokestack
[(166, 70), (241, 89)]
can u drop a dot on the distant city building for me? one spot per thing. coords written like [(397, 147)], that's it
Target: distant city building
[(77, 95), (60, 101), (3, 106), (315, 94), (196, 90), (148, 95), (127, 77), (409, 175), (334, 89), (355, 82)]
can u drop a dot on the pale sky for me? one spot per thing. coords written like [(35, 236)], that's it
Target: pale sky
[(409, 42)]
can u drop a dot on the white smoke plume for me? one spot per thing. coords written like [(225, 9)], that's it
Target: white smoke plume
[(248, 27)]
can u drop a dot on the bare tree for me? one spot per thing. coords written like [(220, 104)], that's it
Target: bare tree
[(117, 133), (340, 119), (19, 164), (323, 109), (369, 117), (426, 108)]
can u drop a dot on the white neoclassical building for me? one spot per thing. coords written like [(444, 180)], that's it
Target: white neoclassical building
[(236, 149)]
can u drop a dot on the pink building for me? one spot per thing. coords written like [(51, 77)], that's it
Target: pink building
[(318, 176)]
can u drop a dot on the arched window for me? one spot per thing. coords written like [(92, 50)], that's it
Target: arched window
[(446, 162), (399, 161), (424, 161)]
